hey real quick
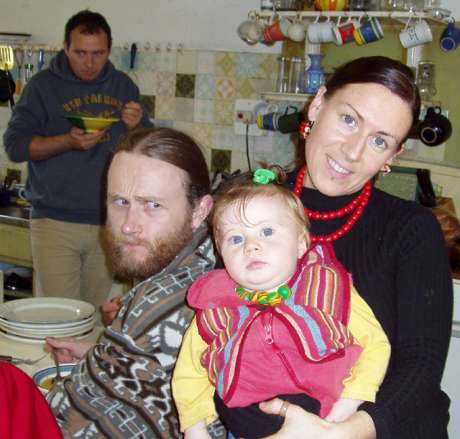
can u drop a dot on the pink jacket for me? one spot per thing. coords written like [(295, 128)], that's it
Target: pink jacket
[(300, 346)]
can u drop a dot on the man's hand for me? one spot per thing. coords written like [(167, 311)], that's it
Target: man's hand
[(109, 310), (131, 115), (67, 351), (82, 141)]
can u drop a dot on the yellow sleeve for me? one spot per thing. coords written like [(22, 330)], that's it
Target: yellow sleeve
[(368, 372), (191, 389)]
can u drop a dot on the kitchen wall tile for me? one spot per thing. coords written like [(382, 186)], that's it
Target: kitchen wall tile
[(248, 65), (221, 160), (240, 161), (187, 62), (147, 61), (246, 88), (223, 111), (165, 107), (185, 127), (224, 137), (184, 109), (264, 85), (206, 62), (165, 83), (268, 66), (148, 102), (147, 82), (205, 86), (226, 63), (185, 86), (203, 133), (166, 61), (204, 111), (160, 123), (225, 87)]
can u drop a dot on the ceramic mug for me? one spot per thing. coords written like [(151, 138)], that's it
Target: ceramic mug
[(368, 32), (289, 123), (435, 128), (297, 31), (415, 35), (321, 32), (344, 32), (277, 31), (450, 38), (268, 121), (250, 31)]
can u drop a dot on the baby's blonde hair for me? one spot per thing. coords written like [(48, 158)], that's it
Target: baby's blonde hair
[(240, 190)]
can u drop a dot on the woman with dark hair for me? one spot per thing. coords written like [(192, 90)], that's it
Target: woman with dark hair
[(357, 124)]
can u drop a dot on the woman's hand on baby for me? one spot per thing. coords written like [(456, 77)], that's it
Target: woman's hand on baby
[(67, 351), (297, 422), (343, 409), (197, 431)]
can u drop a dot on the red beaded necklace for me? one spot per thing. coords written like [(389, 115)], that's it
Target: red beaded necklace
[(355, 208)]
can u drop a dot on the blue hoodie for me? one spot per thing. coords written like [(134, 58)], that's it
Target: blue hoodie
[(68, 186)]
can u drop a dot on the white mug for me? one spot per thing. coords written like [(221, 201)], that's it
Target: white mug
[(419, 33), (296, 31), (321, 32)]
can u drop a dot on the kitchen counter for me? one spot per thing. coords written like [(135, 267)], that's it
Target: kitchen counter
[(15, 216), (15, 236)]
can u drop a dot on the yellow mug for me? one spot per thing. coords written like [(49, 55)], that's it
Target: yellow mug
[(331, 5)]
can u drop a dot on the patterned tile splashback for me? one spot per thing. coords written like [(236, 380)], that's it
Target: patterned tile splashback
[(195, 91)]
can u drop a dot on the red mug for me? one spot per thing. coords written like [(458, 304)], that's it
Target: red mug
[(344, 32), (277, 31)]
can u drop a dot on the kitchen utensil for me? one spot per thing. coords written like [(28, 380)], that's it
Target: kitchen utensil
[(19, 58), (132, 64), (58, 378), (91, 124), (14, 360), (41, 59), (45, 378), (29, 67), (6, 64)]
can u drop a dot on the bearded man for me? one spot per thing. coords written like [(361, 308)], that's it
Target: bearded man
[(157, 203)]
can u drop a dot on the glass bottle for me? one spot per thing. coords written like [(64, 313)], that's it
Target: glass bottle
[(392, 5), (426, 80)]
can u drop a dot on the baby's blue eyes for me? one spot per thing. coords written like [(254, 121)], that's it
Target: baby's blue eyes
[(267, 231), (237, 239)]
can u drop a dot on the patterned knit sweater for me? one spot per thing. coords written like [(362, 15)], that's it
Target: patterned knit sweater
[(121, 389), (398, 259)]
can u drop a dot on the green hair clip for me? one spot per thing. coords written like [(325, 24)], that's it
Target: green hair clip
[(263, 176)]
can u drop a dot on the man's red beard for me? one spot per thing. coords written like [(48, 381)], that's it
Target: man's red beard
[(160, 253)]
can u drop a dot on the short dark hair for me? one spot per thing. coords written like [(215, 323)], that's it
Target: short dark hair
[(176, 148), (392, 74), (88, 22)]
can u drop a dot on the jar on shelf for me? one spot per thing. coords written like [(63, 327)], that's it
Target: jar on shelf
[(425, 80), (288, 5), (296, 72), (282, 79), (364, 5), (392, 5)]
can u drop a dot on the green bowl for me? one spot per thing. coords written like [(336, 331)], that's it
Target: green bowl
[(91, 124)]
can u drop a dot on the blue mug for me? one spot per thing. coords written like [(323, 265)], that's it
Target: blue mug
[(450, 38)]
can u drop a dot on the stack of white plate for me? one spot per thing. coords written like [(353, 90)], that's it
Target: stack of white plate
[(31, 320)]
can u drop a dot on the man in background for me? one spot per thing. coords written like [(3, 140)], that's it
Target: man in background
[(66, 165), (157, 203)]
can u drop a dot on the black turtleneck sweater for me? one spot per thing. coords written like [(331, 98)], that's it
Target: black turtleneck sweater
[(398, 259)]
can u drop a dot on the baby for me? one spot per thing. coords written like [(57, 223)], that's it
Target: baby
[(282, 319)]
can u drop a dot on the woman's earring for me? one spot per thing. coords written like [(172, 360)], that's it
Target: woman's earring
[(305, 128), (386, 169)]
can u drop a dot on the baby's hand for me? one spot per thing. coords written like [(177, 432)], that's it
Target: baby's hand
[(197, 431), (343, 409)]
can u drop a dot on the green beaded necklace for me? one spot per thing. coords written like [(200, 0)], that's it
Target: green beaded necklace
[(272, 298)]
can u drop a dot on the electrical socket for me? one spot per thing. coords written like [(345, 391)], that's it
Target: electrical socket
[(245, 116)]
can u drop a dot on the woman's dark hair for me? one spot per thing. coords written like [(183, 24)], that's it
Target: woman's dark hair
[(176, 148), (392, 74), (88, 23)]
